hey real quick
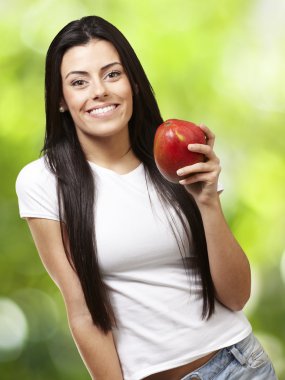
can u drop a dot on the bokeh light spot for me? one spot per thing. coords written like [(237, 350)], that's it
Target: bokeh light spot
[(41, 312), (13, 329)]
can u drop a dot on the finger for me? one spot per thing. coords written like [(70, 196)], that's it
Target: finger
[(201, 177), (207, 150), (210, 137), (201, 167)]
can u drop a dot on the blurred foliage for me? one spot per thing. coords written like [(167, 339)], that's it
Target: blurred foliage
[(216, 62)]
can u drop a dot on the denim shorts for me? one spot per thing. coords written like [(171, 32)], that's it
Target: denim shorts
[(245, 360)]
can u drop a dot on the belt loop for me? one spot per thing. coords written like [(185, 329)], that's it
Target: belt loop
[(192, 376), (238, 355)]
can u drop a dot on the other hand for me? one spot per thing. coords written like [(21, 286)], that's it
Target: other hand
[(202, 178)]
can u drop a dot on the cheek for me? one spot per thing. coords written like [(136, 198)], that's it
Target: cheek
[(124, 88), (128, 95), (72, 100)]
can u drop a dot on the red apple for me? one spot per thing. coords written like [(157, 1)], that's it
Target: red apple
[(170, 147)]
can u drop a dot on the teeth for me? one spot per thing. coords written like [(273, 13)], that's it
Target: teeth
[(98, 111)]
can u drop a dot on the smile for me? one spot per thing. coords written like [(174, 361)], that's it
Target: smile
[(102, 110)]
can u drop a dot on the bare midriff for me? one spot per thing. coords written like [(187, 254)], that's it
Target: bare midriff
[(179, 372)]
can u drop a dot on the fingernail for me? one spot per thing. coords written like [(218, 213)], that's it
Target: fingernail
[(191, 147), (179, 172)]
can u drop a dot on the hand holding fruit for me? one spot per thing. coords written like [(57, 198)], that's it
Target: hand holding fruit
[(184, 154)]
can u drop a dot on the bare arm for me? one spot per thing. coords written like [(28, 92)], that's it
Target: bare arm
[(229, 265), (96, 348)]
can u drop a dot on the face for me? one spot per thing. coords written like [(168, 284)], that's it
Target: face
[(96, 90)]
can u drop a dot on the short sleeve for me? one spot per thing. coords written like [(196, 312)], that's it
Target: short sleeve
[(36, 191), (220, 187)]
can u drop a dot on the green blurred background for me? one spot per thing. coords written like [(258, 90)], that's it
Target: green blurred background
[(218, 62)]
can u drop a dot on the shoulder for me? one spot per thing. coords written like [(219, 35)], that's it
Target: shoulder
[(35, 170), (36, 188), (36, 173)]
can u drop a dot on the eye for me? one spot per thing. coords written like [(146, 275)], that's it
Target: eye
[(113, 74), (78, 83)]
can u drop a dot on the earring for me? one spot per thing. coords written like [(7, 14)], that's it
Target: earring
[(61, 109)]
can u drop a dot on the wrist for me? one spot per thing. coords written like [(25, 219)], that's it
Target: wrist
[(209, 204)]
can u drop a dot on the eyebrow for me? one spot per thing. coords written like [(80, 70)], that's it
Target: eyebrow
[(85, 72)]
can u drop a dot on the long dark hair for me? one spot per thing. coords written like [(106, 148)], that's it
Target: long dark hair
[(76, 186)]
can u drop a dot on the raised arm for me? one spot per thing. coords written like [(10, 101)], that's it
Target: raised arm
[(229, 265), (96, 348)]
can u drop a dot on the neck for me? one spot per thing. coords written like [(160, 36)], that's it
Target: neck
[(113, 153)]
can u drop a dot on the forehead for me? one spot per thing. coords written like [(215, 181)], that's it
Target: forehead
[(95, 54)]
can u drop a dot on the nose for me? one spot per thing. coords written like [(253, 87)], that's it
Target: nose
[(98, 90)]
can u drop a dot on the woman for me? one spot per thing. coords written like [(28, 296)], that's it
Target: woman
[(152, 278)]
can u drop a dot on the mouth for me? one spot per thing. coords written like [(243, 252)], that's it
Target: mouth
[(97, 111)]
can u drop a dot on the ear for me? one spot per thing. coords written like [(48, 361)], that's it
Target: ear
[(62, 105)]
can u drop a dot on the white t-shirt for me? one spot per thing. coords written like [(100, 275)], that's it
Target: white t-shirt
[(159, 319)]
